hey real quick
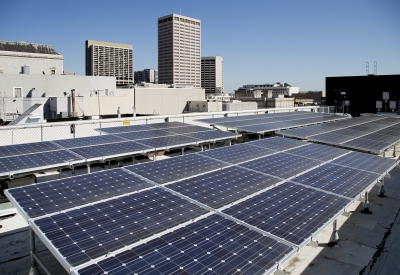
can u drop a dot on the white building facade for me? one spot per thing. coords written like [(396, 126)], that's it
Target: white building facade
[(179, 50), (278, 88), (212, 74)]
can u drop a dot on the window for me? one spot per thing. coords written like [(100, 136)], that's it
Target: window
[(17, 92), (106, 92)]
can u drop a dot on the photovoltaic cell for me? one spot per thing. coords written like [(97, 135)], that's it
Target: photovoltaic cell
[(188, 129), (224, 186), (277, 143), (144, 134), (93, 231), (366, 162), (212, 245), (238, 153), (369, 145), (337, 179), (124, 129), (87, 141), (167, 125), (289, 211), (214, 135), (36, 161), (281, 165), (168, 141), (111, 150), (58, 195), (317, 151), (330, 138), (177, 168), (29, 148)]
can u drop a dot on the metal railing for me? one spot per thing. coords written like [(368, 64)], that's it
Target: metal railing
[(26, 133)]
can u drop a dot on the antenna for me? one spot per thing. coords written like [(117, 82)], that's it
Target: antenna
[(375, 68), (367, 68)]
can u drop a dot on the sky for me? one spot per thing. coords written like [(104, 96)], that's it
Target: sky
[(299, 42)]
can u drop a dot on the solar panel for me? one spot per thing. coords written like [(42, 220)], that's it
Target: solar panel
[(317, 151), (211, 136), (87, 141), (167, 125), (289, 211), (212, 245), (330, 138), (144, 134), (277, 143), (90, 232), (366, 162), (238, 153), (219, 188), (337, 179), (23, 149), (177, 168), (168, 141), (37, 161), (281, 165), (111, 150), (188, 129), (50, 197), (124, 129), (368, 145)]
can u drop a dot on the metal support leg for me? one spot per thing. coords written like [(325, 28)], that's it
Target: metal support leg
[(382, 190), (72, 171), (60, 173), (230, 142), (259, 136), (384, 153), (109, 164), (134, 160), (34, 268), (394, 151), (119, 163), (183, 151), (366, 205), (154, 156), (335, 236), (202, 149), (88, 168), (209, 146)]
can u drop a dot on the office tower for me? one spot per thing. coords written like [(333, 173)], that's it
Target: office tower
[(179, 50), (110, 59), (212, 74), (147, 75)]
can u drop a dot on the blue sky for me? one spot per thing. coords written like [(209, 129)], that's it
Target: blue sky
[(299, 42)]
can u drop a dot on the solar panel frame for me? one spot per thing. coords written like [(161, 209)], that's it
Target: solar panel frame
[(168, 142), (237, 153), (222, 238), (64, 239), (28, 148), (111, 150), (249, 211), (66, 158), (277, 143), (317, 151), (212, 136), (133, 136), (87, 141), (96, 187)]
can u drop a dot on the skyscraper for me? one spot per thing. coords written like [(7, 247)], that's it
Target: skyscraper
[(179, 50), (212, 74), (110, 59)]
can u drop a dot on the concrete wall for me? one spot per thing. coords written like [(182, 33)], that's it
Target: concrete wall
[(54, 85), (280, 102), (11, 62), (165, 101)]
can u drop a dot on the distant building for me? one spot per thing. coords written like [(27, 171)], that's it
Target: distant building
[(110, 59), (310, 97), (26, 58), (212, 74), (179, 50), (276, 89), (147, 75)]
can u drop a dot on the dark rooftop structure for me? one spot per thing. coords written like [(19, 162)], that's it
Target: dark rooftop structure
[(26, 47)]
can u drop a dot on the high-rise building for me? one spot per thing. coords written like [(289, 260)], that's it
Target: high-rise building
[(147, 75), (212, 74), (179, 50), (110, 59)]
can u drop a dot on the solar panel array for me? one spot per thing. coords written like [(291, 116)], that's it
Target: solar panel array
[(372, 134), (208, 212), (272, 122), (128, 141)]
